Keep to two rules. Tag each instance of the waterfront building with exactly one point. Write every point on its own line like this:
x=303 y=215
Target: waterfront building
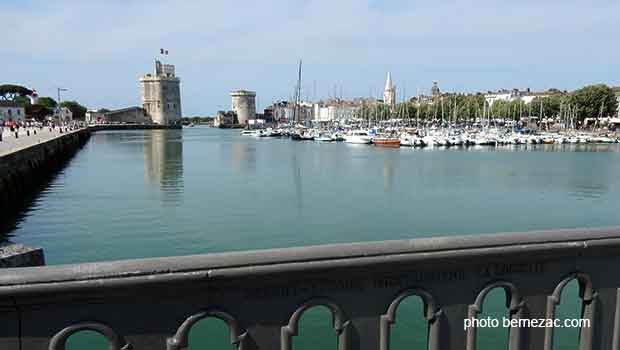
x=10 y=110
x=225 y=119
x=284 y=111
x=304 y=112
x=161 y=95
x=335 y=110
x=129 y=115
x=526 y=95
x=244 y=105
x=63 y=114
x=389 y=93
x=93 y=116
x=428 y=99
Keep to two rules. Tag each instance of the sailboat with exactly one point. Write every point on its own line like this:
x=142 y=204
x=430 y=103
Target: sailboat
x=299 y=134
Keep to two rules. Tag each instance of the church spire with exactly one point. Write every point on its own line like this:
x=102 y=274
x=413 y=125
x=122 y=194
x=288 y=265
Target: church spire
x=389 y=94
x=388 y=82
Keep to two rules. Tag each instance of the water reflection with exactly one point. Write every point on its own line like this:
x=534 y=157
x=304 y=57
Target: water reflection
x=163 y=163
x=296 y=174
x=244 y=157
x=388 y=174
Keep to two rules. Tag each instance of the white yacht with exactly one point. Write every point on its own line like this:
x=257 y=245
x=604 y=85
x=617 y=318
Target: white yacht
x=247 y=132
x=357 y=136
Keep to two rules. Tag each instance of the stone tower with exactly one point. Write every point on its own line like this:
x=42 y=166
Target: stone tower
x=161 y=95
x=389 y=93
x=244 y=104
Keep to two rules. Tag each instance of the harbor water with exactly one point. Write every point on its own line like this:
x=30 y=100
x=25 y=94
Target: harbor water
x=152 y=193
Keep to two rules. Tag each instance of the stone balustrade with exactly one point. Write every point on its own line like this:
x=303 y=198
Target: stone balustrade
x=261 y=295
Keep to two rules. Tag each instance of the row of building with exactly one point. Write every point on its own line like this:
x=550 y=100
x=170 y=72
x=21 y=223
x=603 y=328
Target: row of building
x=243 y=105
x=15 y=111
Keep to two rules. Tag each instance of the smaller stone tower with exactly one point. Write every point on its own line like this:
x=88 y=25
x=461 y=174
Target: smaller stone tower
x=244 y=104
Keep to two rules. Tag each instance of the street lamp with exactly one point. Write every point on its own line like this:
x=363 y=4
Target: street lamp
x=58 y=110
x=59 y=90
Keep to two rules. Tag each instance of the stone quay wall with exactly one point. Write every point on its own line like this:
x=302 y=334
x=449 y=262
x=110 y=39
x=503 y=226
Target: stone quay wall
x=22 y=170
x=21 y=174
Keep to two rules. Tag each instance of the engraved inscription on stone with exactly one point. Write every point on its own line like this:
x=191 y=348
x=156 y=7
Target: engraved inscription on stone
x=417 y=277
x=306 y=287
x=502 y=269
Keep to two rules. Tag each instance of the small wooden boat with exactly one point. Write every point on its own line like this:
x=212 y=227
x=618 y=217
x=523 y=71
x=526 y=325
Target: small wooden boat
x=386 y=141
x=548 y=141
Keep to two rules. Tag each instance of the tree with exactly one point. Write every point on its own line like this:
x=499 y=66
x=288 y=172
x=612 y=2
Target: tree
x=10 y=91
x=551 y=105
x=39 y=112
x=48 y=102
x=500 y=109
x=594 y=101
x=79 y=111
x=22 y=100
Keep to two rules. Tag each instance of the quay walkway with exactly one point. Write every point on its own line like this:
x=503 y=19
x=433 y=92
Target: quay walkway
x=261 y=296
x=27 y=137
x=11 y=144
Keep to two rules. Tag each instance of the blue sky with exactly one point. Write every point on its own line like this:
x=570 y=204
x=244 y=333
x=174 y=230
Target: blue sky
x=98 y=49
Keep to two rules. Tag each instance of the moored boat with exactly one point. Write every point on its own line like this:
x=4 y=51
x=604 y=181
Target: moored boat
x=386 y=141
x=357 y=136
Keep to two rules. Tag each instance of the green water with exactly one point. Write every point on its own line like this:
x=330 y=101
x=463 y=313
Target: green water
x=171 y=192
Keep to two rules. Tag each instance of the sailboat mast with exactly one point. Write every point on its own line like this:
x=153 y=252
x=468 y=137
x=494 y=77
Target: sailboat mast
x=298 y=99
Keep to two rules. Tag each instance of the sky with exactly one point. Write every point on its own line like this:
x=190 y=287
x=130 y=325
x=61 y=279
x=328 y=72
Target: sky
x=98 y=49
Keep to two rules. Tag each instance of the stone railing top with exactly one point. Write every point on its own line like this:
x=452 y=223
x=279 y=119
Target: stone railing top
x=270 y=261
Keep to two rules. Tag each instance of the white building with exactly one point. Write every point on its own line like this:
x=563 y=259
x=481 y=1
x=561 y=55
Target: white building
x=63 y=114
x=491 y=98
x=10 y=110
x=94 y=116
x=328 y=113
x=511 y=95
